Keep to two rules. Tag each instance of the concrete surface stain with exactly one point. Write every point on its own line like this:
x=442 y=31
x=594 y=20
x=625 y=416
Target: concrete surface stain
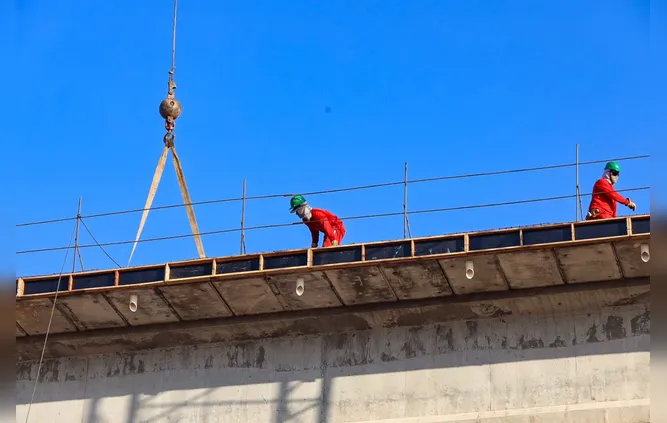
x=503 y=343
x=50 y=371
x=166 y=338
x=346 y=349
x=337 y=349
x=336 y=340
x=130 y=367
x=633 y=299
x=558 y=342
x=641 y=324
x=625 y=301
x=613 y=328
x=239 y=356
x=444 y=339
x=387 y=358
x=261 y=357
x=500 y=312
x=23 y=370
x=111 y=372
x=592 y=334
x=285 y=368
x=208 y=361
x=530 y=344
x=472 y=328
x=413 y=346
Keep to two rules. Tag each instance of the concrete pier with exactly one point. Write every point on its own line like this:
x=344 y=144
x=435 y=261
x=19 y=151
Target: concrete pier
x=590 y=367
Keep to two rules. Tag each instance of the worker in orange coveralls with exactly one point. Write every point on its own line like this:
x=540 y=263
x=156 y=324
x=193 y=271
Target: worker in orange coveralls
x=605 y=197
x=318 y=220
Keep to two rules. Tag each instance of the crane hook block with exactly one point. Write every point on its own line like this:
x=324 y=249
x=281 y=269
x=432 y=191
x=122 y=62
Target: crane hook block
x=170 y=108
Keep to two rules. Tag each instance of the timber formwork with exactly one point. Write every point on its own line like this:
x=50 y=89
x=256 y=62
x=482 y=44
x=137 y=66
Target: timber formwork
x=349 y=287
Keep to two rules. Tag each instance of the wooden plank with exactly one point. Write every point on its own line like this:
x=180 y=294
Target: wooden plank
x=530 y=269
x=132 y=276
x=361 y=285
x=497 y=240
x=285 y=259
x=92 y=311
x=33 y=316
x=48 y=286
x=588 y=263
x=197 y=261
x=195 y=301
x=640 y=224
x=190 y=270
x=601 y=228
x=318 y=292
x=248 y=296
x=151 y=308
x=419 y=280
x=19 y=331
x=629 y=256
x=488 y=277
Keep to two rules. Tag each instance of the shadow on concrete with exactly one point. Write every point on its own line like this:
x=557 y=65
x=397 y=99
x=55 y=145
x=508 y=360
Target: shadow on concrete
x=308 y=359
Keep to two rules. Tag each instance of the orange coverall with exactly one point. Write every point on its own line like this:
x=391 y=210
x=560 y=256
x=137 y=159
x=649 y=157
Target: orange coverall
x=605 y=198
x=327 y=222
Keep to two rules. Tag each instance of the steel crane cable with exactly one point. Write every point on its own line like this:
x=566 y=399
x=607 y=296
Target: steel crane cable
x=368 y=216
x=337 y=190
x=48 y=327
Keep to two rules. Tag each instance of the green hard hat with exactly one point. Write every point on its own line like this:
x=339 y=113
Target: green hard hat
x=612 y=166
x=296 y=201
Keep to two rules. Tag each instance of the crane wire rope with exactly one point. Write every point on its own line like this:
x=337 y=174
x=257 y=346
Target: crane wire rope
x=170 y=110
x=98 y=244
x=48 y=328
x=336 y=190
x=173 y=41
x=369 y=216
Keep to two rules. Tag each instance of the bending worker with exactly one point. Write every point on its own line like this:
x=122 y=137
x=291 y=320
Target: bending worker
x=318 y=220
x=605 y=197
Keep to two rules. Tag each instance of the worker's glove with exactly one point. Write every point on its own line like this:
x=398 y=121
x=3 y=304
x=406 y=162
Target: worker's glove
x=632 y=205
x=334 y=243
x=313 y=245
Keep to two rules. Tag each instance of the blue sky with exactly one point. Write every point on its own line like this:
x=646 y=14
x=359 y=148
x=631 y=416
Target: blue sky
x=450 y=87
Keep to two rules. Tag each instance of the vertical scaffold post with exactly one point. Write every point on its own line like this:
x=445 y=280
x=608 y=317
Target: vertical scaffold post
x=576 y=183
x=406 y=222
x=578 y=208
x=77 y=253
x=243 y=250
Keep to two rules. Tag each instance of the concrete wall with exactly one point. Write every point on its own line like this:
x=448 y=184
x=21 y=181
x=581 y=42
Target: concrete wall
x=591 y=368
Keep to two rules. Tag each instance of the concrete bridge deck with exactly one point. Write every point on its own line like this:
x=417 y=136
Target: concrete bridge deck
x=553 y=327
x=528 y=270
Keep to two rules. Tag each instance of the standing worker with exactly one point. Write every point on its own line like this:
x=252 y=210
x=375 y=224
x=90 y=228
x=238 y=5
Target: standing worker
x=318 y=220
x=605 y=197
